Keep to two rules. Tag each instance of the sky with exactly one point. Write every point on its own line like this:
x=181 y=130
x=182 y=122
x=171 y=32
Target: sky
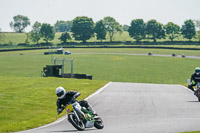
x=124 y=11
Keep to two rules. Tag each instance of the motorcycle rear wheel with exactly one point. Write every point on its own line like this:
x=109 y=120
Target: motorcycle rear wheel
x=99 y=123
x=77 y=124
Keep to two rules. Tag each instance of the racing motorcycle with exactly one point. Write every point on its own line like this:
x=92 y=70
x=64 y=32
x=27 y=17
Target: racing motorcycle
x=196 y=89
x=81 y=118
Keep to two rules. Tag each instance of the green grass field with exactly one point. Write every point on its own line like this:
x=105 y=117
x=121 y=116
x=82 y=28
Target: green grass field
x=22 y=89
x=106 y=66
x=31 y=102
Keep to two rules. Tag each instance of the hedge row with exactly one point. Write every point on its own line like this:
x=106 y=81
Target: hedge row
x=70 y=44
x=133 y=43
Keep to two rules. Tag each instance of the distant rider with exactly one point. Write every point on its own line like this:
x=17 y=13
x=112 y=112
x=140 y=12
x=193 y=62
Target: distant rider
x=65 y=98
x=195 y=78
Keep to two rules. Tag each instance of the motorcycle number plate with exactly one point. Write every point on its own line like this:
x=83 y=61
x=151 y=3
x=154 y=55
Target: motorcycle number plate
x=69 y=108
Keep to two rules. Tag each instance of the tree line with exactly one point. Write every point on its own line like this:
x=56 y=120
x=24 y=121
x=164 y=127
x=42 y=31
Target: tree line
x=82 y=28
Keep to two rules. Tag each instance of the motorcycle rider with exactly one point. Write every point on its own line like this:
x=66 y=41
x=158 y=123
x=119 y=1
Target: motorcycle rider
x=65 y=98
x=195 y=78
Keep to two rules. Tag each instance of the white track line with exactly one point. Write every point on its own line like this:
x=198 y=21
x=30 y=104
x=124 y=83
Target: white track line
x=98 y=91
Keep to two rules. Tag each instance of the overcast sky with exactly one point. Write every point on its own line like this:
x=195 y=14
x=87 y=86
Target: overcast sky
x=124 y=11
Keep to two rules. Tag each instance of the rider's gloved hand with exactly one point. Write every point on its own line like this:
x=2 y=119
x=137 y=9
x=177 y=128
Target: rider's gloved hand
x=73 y=100
x=59 y=111
x=193 y=82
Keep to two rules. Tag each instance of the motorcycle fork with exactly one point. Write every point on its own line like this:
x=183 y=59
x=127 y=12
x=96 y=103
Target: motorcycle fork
x=78 y=113
x=76 y=116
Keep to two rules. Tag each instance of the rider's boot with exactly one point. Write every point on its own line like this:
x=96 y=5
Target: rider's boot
x=191 y=87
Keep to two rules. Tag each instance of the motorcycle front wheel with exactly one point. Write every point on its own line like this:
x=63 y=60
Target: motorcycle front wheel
x=74 y=121
x=98 y=123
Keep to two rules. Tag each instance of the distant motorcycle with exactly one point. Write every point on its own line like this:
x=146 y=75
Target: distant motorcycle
x=80 y=118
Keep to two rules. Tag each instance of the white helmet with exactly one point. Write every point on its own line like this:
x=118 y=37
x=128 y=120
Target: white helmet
x=60 y=92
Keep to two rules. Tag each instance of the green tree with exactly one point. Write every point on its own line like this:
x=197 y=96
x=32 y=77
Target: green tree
x=100 y=30
x=137 y=29
x=35 y=34
x=64 y=37
x=82 y=28
x=172 y=30
x=112 y=26
x=125 y=27
x=19 y=23
x=197 y=24
x=47 y=32
x=188 y=29
x=27 y=38
x=154 y=30
x=63 y=26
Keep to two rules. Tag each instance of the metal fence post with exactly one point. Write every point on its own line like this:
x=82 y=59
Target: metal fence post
x=72 y=60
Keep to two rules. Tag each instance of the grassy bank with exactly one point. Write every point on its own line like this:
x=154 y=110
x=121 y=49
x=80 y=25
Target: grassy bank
x=110 y=67
x=31 y=102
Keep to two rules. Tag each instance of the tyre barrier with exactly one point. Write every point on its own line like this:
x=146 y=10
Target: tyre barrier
x=78 y=76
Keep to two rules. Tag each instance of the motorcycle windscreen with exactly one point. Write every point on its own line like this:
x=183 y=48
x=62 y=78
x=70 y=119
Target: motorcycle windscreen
x=69 y=108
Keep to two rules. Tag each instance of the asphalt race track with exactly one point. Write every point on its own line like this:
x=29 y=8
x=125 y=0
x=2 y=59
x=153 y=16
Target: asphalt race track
x=139 y=108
